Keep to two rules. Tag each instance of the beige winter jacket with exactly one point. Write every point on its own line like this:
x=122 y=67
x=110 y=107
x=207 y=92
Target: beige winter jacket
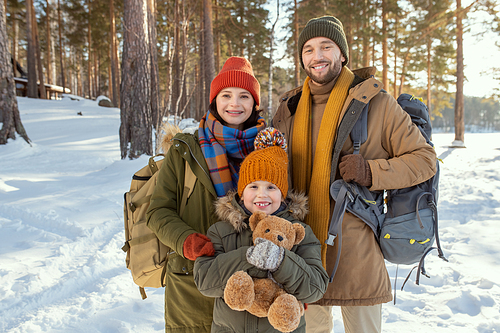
x=398 y=156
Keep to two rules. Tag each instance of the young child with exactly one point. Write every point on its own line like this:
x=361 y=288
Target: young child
x=262 y=186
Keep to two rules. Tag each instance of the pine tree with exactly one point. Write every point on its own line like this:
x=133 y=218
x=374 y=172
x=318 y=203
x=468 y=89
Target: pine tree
x=9 y=112
x=135 y=104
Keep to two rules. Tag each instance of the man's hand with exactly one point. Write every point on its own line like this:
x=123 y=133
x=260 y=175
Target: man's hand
x=353 y=167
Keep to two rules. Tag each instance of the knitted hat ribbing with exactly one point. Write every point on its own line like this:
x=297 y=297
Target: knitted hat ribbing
x=325 y=26
x=236 y=72
x=268 y=162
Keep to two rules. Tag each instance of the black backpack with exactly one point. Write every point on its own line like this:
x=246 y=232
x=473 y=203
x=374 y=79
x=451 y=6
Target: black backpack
x=408 y=226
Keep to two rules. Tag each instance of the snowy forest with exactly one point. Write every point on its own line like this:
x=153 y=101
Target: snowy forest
x=155 y=58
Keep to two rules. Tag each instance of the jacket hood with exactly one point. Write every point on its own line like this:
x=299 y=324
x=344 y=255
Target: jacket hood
x=228 y=209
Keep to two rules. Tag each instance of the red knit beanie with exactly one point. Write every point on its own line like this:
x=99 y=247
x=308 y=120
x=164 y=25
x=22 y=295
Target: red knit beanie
x=236 y=72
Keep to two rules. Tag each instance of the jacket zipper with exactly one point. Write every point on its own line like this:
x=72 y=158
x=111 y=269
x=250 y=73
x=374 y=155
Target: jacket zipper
x=191 y=152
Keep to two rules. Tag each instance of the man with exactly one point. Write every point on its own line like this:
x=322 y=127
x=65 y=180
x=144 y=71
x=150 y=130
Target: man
x=395 y=155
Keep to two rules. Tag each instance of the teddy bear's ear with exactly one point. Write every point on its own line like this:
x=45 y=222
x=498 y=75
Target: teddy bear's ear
x=300 y=233
x=255 y=219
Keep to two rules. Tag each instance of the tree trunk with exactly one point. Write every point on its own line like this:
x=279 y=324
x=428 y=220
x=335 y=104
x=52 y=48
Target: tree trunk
x=395 y=72
x=155 y=79
x=61 y=46
x=53 y=66
x=110 y=86
x=385 y=78
x=15 y=26
x=366 y=39
x=135 y=104
x=204 y=93
x=32 y=91
x=209 y=44
x=217 y=38
x=79 y=74
x=176 y=54
x=459 y=98
x=49 y=46
x=271 y=60
x=114 y=58
x=429 y=73
x=9 y=112
x=89 y=52
x=296 y=40
x=41 y=84
x=96 y=89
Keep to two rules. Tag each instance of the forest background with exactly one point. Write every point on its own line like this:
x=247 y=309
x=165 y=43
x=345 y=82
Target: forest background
x=155 y=58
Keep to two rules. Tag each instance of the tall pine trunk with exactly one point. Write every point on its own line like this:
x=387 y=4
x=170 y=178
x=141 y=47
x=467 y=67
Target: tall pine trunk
x=296 y=40
x=9 y=111
x=32 y=85
x=459 y=97
x=429 y=75
x=89 y=52
x=271 y=61
x=135 y=105
x=15 y=26
x=41 y=84
x=61 y=46
x=114 y=57
x=49 y=45
x=385 y=78
x=209 y=45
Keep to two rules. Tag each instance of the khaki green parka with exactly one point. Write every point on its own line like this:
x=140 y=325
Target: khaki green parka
x=301 y=272
x=186 y=310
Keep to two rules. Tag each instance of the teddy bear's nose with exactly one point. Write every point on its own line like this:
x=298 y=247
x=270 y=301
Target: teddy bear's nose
x=280 y=238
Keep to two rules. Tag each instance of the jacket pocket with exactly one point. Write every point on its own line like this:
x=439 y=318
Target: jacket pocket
x=178 y=265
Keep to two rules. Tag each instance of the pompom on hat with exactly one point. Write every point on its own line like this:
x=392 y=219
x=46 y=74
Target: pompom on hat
x=236 y=72
x=328 y=27
x=268 y=162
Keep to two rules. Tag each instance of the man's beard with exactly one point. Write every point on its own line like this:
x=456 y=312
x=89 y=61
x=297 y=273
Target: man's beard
x=332 y=74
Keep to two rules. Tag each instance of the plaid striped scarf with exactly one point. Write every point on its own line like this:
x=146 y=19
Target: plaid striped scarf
x=218 y=142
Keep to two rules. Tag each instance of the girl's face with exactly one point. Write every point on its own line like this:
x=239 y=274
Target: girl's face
x=235 y=106
x=261 y=196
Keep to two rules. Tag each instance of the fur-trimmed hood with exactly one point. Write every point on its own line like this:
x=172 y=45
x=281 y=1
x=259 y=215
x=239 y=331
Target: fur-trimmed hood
x=228 y=209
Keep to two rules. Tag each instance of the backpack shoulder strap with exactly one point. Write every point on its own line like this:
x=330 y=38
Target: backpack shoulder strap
x=346 y=125
x=359 y=132
x=189 y=181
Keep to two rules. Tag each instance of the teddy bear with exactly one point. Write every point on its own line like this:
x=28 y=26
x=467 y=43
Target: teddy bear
x=263 y=296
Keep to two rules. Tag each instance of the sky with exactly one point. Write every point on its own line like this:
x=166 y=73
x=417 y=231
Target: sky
x=61 y=232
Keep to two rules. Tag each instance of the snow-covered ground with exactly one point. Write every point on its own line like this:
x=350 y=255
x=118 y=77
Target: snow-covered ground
x=61 y=230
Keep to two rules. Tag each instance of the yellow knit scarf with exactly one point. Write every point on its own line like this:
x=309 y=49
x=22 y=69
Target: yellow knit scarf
x=316 y=183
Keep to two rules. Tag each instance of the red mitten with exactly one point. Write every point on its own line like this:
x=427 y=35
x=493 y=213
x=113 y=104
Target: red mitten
x=197 y=245
x=353 y=167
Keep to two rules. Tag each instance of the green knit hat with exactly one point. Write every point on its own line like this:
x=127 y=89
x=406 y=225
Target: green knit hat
x=325 y=26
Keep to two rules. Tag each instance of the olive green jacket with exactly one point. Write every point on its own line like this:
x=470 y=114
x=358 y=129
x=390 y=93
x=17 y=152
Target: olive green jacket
x=171 y=229
x=301 y=272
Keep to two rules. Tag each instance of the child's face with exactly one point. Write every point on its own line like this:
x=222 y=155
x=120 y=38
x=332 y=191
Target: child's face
x=261 y=196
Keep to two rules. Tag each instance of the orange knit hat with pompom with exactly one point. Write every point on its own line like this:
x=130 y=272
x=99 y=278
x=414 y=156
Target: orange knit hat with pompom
x=236 y=72
x=268 y=162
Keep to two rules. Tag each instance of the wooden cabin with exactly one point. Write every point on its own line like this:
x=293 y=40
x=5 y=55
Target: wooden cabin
x=53 y=91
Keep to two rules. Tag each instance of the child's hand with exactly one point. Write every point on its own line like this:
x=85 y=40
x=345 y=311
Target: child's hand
x=265 y=255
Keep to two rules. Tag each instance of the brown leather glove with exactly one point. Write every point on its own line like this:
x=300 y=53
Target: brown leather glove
x=353 y=167
x=197 y=245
